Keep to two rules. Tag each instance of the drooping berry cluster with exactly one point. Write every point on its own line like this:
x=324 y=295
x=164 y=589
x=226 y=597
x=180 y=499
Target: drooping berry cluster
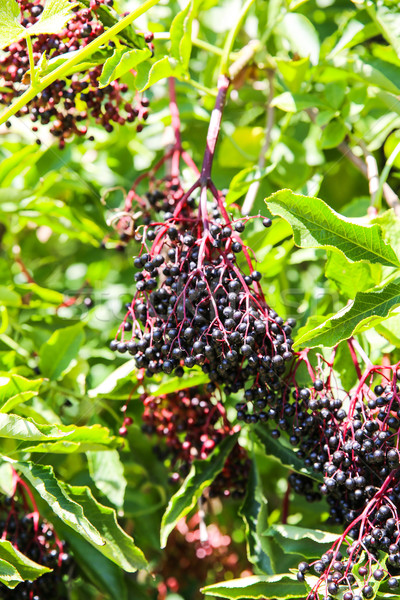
x=67 y=104
x=195 y=306
x=194 y=556
x=190 y=424
x=353 y=440
x=21 y=525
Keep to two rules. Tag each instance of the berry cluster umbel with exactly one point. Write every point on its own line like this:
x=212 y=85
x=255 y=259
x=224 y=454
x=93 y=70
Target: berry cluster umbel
x=195 y=306
x=68 y=104
x=352 y=439
x=190 y=424
x=35 y=538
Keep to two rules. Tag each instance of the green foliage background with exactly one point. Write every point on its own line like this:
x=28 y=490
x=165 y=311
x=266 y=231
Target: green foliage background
x=335 y=70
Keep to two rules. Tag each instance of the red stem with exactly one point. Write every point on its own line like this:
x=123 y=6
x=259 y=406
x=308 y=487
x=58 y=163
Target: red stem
x=354 y=358
x=213 y=130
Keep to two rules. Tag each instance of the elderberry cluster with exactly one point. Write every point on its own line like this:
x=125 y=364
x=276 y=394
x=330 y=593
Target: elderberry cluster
x=353 y=441
x=155 y=205
x=194 y=306
x=67 y=104
x=190 y=424
x=37 y=540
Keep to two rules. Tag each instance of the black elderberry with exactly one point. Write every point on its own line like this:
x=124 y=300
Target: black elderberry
x=368 y=591
x=393 y=583
x=239 y=226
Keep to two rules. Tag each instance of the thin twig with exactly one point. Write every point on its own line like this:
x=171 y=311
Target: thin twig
x=254 y=187
x=372 y=171
x=244 y=57
x=390 y=195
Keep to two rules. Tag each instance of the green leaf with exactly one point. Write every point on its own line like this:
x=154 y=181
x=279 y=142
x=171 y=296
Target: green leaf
x=242 y=148
x=301 y=34
x=175 y=384
x=107 y=472
x=11 y=29
x=254 y=511
x=148 y=75
x=119 y=547
x=9 y=575
x=310 y=543
x=60 y=350
x=122 y=61
x=354 y=33
x=390 y=328
x=52 y=491
x=351 y=278
x=27 y=568
x=6 y=478
x=376 y=72
x=286 y=456
x=289 y=102
x=181 y=33
x=9 y=297
x=50 y=296
x=202 y=474
x=242 y=181
x=12 y=166
x=333 y=134
x=77 y=507
x=15 y=389
x=388 y=21
x=120 y=375
x=335 y=93
x=55 y=15
x=294 y=72
x=368 y=308
x=69 y=437
x=52 y=20
x=280 y=587
x=316 y=225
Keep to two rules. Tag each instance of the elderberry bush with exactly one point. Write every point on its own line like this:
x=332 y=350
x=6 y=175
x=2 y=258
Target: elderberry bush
x=68 y=105
x=189 y=425
x=37 y=540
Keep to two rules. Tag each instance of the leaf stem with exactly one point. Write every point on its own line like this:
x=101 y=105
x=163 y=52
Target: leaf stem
x=82 y=54
x=384 y=176
x=31 y=61
x=232 y=35
x=200 y=87
x=202 y=44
